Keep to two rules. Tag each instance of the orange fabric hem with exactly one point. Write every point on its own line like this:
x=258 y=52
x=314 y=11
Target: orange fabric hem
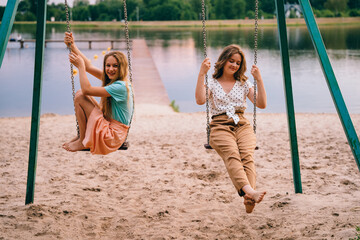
x=103 y=136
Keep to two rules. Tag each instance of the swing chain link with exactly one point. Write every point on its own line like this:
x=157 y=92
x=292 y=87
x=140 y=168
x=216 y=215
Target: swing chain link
x=71 y=65
x=255 y=59
x=129 y=62
x=127 y=40
x=206 y=76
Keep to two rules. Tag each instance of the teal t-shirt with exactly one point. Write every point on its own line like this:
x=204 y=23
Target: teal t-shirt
x=121 y=107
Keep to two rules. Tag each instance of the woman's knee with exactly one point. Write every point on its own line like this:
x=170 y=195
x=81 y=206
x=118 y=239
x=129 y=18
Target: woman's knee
x=79 y=96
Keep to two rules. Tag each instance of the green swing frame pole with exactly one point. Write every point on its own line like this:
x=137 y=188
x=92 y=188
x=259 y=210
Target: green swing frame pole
x=35 y=119
x=331 y=80
x=284 y=49
x=6 y=25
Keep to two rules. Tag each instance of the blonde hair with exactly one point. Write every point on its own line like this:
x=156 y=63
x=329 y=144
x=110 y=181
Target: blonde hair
x=123 y=73
x=225 y=56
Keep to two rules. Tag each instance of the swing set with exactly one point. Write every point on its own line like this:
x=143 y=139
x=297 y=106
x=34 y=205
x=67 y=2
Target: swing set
x=8 y=20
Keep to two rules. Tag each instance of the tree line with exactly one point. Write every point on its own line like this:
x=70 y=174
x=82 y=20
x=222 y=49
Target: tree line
x=157 y=10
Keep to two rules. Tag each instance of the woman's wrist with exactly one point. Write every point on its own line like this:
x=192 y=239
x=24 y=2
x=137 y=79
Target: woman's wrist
x=202 y=74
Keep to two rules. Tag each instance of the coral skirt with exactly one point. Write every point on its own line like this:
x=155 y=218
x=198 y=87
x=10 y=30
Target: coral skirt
x=103 y=136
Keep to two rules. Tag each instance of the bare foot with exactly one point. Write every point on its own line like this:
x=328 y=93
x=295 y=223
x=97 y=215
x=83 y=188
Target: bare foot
x=249 y=205
x=72 y=140
x=257 y=196
x=74 y=146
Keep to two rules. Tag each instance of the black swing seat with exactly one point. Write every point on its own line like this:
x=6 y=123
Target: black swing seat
x=125 y=146
x=207 y=146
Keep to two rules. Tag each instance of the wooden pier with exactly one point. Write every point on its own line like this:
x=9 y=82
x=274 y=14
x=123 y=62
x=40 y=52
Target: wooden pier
x=147 y=83
x=148 y=86
x=111 y=41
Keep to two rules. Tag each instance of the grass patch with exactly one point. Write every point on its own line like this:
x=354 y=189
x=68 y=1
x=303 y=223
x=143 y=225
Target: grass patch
x=357 y=237
x=174 y=106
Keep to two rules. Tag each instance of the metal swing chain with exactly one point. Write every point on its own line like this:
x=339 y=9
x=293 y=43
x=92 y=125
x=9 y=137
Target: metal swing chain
x=206 y=76
x=129 y=60
x=71 y=66
x=127 y=40
x=255 y=58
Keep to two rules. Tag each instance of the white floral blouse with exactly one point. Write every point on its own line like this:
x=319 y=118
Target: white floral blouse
x=221 y=102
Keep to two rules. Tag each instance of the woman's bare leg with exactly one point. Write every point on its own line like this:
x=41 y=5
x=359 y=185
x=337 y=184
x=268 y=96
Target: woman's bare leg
x=97 y=105
x=83 y=108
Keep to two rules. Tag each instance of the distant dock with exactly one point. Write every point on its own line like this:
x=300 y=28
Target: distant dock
x=111 y=41
x=148 y=86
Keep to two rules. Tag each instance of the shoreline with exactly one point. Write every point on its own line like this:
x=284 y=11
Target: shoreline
x=209 y=23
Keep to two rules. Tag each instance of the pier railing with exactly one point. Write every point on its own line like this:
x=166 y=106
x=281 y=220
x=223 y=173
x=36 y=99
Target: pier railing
x=111 y=41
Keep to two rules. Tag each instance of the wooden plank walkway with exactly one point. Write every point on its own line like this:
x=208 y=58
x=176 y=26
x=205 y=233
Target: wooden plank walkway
x=148 y=86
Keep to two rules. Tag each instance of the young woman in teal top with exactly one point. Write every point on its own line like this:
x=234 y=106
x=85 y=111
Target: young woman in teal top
x=103 y=127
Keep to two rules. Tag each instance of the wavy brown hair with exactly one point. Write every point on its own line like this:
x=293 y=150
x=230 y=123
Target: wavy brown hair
x=123 y=73
x=224 y=57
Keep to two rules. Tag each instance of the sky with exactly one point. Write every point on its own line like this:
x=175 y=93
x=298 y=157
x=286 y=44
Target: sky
x=3 y=2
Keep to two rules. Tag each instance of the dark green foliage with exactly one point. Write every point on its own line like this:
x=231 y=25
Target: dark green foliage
x=354 y=13
x=229 y=9
x=2 y=10
x=354 y=4
x=317 y=4
x=336 y=5
x=26 y=16
x=56 y=11
x=109 y=10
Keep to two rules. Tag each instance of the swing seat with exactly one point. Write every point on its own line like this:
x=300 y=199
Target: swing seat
x=207 y=146
x=125 y=146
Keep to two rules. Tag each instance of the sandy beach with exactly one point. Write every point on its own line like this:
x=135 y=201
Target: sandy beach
x=167 y=186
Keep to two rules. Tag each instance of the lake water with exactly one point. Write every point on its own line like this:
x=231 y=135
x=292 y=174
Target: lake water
x=178 y=54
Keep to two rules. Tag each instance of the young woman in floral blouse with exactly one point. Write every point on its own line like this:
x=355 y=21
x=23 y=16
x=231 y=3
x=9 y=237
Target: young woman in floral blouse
x=231 y=134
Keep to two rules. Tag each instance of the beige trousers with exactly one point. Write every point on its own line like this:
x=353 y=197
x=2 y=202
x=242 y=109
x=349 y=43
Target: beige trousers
x=235 y=144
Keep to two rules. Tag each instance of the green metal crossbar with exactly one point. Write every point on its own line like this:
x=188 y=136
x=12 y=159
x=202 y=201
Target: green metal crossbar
x=288 y=94
x=331 y=80
x=6 y=26
x=35 y=119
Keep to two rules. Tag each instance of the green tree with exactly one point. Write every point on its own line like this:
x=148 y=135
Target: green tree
x=78 y=3
x=33 y=6
x=24 y=6
x=166 y=11
x=56 y=11
x=354 y=4
x=27 y=16
x=236 y=9
x=250 y=5
x=80 y=13
x=267 y=6
x=229 y=9
x=317 y=4
x=336 y=5
x=219 y=10
x=187 y=13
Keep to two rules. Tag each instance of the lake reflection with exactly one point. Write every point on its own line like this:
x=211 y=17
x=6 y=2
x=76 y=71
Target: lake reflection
x=178 y=54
